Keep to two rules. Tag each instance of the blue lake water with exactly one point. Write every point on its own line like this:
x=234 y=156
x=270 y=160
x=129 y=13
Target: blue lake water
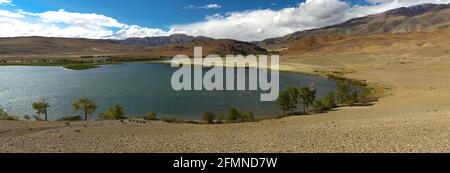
x=138 y=87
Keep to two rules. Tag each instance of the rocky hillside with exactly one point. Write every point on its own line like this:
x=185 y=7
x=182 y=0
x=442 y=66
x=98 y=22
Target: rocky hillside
x=161 y=41
x=421 y=18
x=45 y=47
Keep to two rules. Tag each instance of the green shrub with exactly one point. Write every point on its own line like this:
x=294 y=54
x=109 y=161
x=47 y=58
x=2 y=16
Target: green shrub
x=151 y=116
x=209 y=117
x=26 y=117
x=353 y=98
x=307 y=96
x=366 y=97
x=113 y=113
x=235 y=116
x=80 y=66
x=329 y=101
x=319 y=106
x=284 y=101
x=246 y=117
x=343 y=92
x=221 y=117
x=4 y=116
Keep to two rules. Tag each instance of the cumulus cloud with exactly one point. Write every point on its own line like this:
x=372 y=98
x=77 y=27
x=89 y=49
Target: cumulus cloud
x=8 y=14
x=69 y=24
x=250 y=25
x=260 y=24
x=266 y=23
x=79 y=19
x=5 y=2
x=137 y=31
x=208 y=6
x=56 y=24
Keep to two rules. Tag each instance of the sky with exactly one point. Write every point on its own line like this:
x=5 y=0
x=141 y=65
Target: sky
x=246 y=20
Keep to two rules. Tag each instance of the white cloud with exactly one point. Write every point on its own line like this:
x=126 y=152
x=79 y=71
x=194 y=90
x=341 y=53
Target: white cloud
x=267 y=23
x=247 y=25
x=56 y=24
x=4 y=13
x=5 y=1
x=208 y=6
x=261 y=24
x=77 y=19
x=15 y=27
x=69 y=24
x=137 y=31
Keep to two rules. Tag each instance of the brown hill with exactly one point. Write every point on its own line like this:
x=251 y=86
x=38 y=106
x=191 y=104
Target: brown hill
x=161 y=41
x=44 y=47
x=427 y=43
x=56 y=46
x=421 y=18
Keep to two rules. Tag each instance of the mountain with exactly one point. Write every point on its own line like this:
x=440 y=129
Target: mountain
x=47 y=47
x=160 y=41
x=220 y=47
x=28 y=46
x=420 y=18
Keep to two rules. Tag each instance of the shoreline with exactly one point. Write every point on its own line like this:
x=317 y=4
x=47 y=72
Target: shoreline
x=282 y=68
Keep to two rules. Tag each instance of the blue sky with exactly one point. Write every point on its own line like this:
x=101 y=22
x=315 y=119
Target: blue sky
x=247 y=20
x=151 y=13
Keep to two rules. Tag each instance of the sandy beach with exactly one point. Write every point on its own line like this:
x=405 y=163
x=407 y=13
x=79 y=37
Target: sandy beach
x=411 y=116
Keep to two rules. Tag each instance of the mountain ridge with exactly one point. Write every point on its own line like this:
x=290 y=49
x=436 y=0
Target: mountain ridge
x=419 y=18
x=163 y=40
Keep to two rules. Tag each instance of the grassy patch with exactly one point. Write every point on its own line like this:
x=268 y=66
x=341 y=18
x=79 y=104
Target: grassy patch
x=150 y=116
x=80 y=66
x=368 y=92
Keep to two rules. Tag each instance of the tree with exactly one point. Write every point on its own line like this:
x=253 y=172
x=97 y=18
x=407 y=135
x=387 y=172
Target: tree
x=353 y=98
x=307 y=97
x=293 y=96
x=85 y=104
x=151 y=116
x=319 y=106
x=233 y=115
x=342 y=92
x=113 y=113
x=209 y=117
x=284 y=101
x=41 y=108
x=329 y=101
x=118 y=111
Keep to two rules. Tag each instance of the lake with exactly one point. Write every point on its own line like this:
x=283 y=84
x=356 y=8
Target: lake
x=138 y=87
